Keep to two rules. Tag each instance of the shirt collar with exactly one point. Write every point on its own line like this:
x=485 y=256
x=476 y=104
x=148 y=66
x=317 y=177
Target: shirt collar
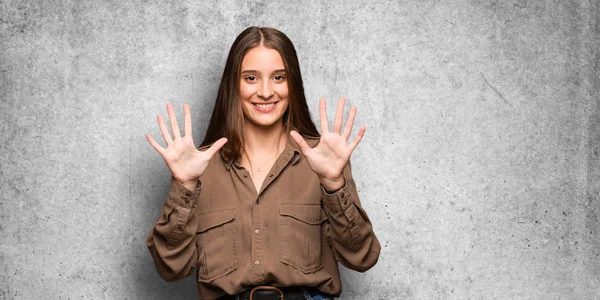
x=291 y=152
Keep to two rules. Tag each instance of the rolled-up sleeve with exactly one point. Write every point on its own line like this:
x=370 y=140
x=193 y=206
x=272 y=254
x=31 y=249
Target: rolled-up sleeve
x=172 y=241
x=351 y=232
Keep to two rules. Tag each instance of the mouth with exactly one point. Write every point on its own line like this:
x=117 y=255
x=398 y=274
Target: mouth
x=265 y=107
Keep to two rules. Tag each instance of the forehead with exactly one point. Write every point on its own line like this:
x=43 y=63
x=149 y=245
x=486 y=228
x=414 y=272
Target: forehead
x=261 y=58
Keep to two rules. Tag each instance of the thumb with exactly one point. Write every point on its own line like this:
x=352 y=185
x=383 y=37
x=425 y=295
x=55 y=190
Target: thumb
x=300 y=142
x=216 y=146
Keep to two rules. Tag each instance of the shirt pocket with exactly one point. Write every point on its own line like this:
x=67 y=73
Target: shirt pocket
x=216 y=244
x=301 y=233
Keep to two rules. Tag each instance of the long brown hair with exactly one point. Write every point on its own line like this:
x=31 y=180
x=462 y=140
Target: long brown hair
x=227 y=119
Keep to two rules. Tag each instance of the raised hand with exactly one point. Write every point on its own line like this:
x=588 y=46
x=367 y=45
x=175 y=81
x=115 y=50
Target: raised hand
x=184 y=160
x=329 y=158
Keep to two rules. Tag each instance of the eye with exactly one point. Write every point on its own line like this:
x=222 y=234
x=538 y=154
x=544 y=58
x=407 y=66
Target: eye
x=251 y=78
x=279 y=77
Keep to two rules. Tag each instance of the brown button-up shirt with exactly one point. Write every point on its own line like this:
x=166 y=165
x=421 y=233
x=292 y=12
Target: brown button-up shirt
x=290 y=233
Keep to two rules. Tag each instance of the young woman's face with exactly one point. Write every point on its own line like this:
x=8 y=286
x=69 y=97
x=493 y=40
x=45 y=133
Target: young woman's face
x=263 y=87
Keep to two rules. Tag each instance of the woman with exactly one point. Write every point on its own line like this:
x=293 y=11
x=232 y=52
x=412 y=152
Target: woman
x=266 y=207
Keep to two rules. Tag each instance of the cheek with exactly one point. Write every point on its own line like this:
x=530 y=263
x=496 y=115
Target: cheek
x=245 y=91
x=282 y=90
x=285 y=107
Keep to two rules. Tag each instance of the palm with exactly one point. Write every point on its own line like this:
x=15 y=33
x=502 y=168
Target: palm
x=184 y=160
x=332 y=154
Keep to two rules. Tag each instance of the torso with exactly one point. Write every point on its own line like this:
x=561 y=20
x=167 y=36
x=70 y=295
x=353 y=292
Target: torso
x=258 y=177
x=261 y=167
x=277 y=236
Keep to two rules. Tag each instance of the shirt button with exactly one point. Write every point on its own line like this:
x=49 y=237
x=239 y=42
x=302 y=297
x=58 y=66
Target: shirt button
x=271 y=175
x=187 y=201
x=245 y=175
x=256 y=262
x=256 y=231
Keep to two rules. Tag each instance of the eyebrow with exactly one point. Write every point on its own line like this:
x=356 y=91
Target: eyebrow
x=255 y=71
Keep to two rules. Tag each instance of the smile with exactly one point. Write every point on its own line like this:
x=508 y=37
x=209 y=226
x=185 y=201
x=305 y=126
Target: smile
x=264 y=107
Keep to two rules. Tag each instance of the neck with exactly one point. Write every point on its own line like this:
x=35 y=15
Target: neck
x=263 y=140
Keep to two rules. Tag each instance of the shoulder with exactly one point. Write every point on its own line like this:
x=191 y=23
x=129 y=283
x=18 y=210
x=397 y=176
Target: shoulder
x=217 y=164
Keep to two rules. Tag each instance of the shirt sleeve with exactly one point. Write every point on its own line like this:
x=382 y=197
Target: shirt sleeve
x=172 y=241
x=351 y=233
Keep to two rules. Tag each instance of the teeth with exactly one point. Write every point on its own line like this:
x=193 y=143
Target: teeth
x=265 y=105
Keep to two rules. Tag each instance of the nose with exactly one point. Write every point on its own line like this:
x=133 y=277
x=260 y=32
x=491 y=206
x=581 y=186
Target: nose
x=265 y=90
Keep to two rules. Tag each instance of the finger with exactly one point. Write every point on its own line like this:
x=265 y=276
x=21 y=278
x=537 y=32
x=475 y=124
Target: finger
x=187 y=120
x=304 y=147
x=323 y=116
x=173 y=121
x=216 y=146
x=163 y=130
x=358 y=137
x=339 y=115
x=155 y=145
x=349 y=123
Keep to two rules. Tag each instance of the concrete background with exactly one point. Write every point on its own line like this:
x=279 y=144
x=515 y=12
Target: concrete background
x=480 y=167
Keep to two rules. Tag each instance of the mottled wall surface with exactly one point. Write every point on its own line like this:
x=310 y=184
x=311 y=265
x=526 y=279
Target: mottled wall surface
x=480 y=167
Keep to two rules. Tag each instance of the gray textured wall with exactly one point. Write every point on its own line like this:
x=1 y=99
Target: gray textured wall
x=480 y=167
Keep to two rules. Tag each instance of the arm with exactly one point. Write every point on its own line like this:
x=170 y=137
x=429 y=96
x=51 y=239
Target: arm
x=354 y=242
x=172 y=241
